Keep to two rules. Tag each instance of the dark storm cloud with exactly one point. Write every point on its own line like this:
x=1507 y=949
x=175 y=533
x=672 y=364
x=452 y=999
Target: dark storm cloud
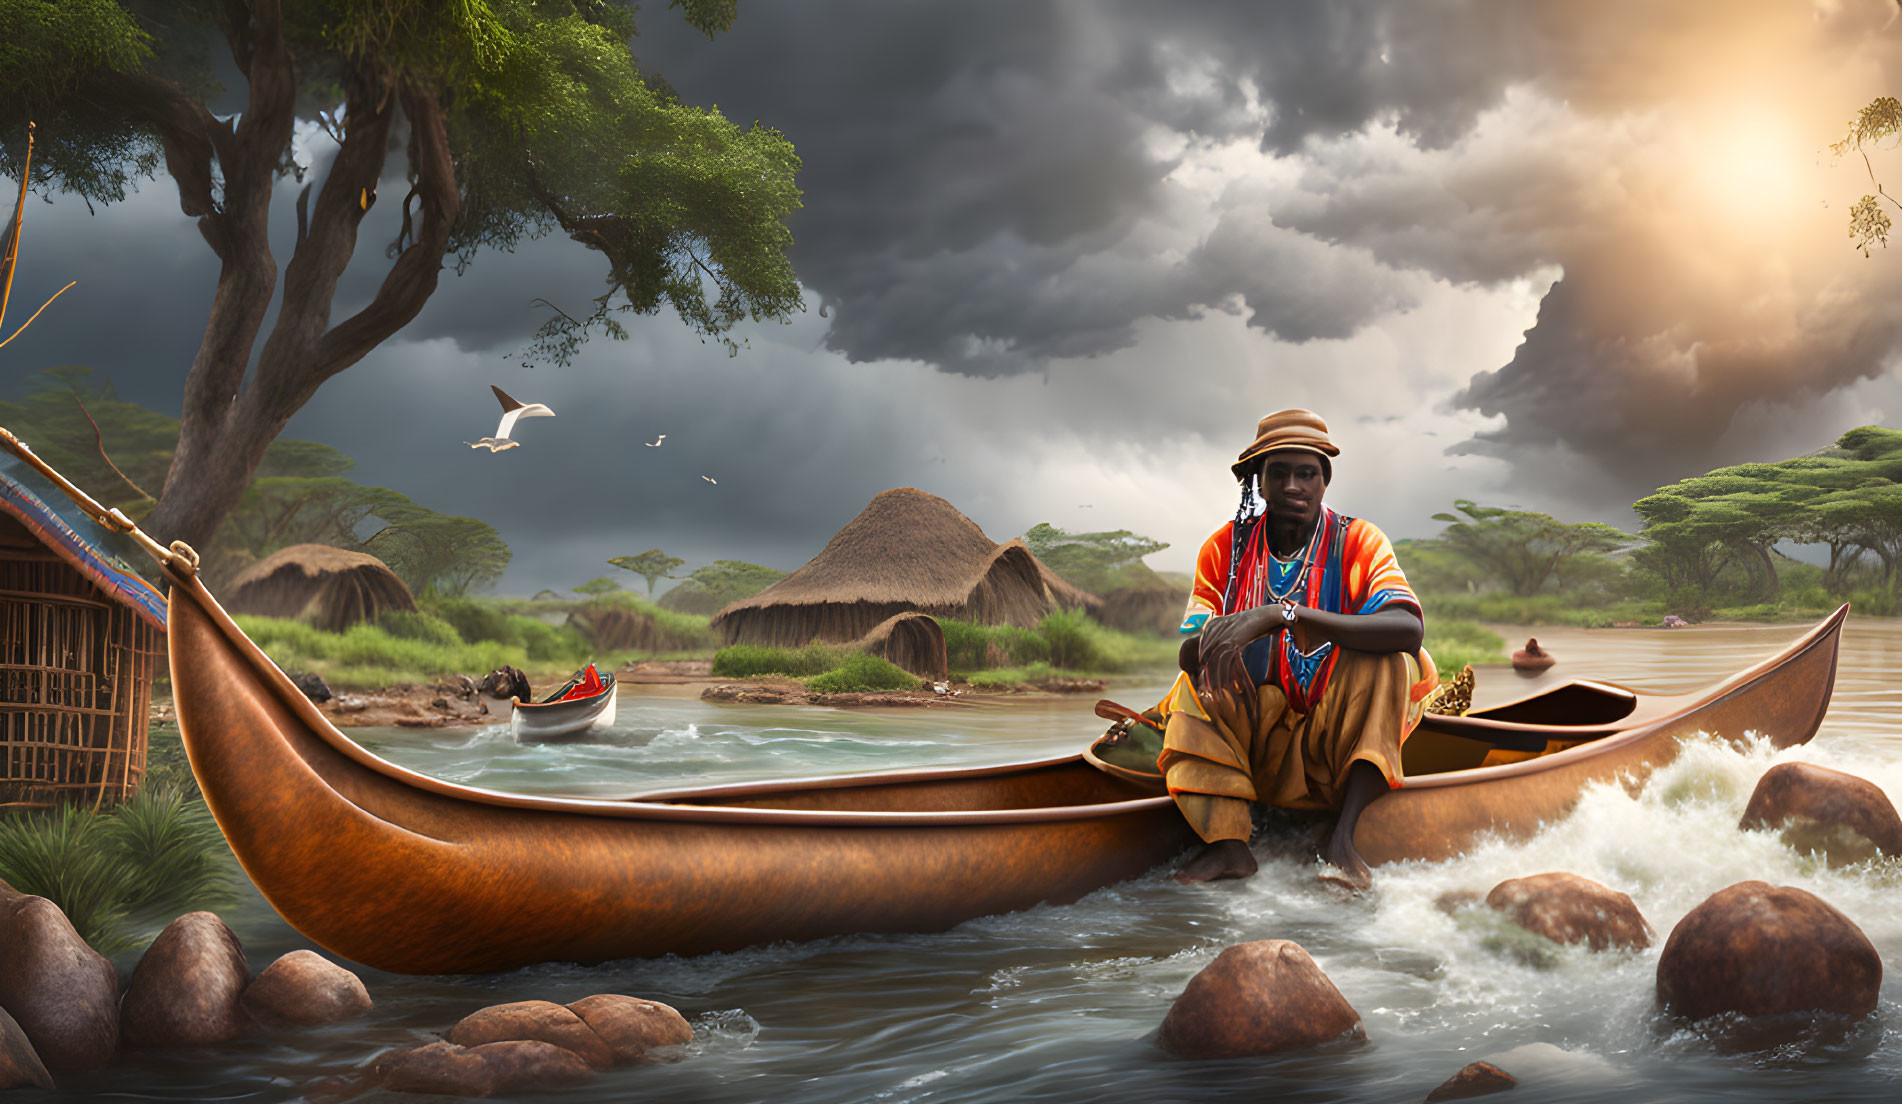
x=976 y=179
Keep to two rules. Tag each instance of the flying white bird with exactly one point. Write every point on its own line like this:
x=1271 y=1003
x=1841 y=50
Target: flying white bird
x=494 y=444
x=655 y=443
x=711 y=480
x=512 y=409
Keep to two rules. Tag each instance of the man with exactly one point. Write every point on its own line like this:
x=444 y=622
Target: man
x=1306 y=671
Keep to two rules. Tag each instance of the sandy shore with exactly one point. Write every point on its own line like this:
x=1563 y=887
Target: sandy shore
x=451 y=705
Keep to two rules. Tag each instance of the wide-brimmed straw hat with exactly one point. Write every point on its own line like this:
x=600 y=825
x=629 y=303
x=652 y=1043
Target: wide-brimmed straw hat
x=1289 y=429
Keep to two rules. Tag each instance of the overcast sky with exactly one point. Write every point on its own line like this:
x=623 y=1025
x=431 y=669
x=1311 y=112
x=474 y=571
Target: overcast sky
x=1547 y=255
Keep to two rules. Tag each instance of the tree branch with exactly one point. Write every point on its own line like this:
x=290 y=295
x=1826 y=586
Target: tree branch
x=411 y=279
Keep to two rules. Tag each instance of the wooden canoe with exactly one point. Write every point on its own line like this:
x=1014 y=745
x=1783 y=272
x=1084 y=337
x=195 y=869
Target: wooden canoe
x=1509 y=770
x=1576 y=734
x=410 y=874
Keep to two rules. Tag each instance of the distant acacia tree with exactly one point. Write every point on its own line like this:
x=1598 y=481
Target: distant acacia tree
x=709 y=588
x=651 y=565
x=596 y=588
x=1522 y=549
x=517 y=117
x=438 y=554
x=1096 y=562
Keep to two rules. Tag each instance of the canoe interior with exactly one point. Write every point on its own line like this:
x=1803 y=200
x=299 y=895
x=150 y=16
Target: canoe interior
x=1064 y=783
x=1581 y=712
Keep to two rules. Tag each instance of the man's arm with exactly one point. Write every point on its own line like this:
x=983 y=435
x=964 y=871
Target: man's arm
x=1394 y=629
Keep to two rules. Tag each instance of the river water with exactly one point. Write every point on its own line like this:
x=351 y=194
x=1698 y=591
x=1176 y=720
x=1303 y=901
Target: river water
x=1061 y=1003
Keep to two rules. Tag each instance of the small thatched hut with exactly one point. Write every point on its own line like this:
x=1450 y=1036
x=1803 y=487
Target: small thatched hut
x=1157 y=607
x=906 y=551
x=80 y=637
x=914 y=641
x=331 y=588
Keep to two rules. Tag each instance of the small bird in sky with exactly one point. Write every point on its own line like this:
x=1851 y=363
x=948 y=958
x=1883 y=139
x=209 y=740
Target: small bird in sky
x=1083 y=506
x=514 y=409
x=655 y=443
x=711 y=480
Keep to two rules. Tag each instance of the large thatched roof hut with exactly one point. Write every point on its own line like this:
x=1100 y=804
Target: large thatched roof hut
x=80 y=637
x=331 y=588
x=907 y=550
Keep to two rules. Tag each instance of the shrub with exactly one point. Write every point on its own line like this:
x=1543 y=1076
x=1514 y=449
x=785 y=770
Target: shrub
x=405 y=625
x=971 y=647
x=748 y=660
x=1073 y=640
x=475 y=621
x=862 y=671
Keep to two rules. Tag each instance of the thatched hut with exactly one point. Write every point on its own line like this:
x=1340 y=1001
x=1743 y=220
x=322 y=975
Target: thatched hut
x=906 y=551
x=914 y=641
x=1155 y=607
x=80 y=638
x=331 y=588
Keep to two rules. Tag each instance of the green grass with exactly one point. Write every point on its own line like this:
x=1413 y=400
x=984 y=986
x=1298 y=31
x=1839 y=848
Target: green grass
x=154 y=857
x=860 y=672
x=1016 y=678
x=1454 y=644
x=750 y=660
x=1070 y=640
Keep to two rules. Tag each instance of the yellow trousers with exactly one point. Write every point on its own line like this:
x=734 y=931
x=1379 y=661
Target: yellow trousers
x=1215 y=766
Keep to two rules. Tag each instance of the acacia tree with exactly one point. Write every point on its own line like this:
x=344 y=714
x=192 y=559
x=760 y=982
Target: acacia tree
x=517 y=118
x=1521 y=548
x=651 y=565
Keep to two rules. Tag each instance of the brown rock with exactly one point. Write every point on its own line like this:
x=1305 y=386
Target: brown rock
x=505 y=682
x=1257 y=998
x=19 y=1063
x=64 y=994
x=1762 y=950
x=1478 y=1079
x=511 y=1066
x=1454 y=900
x=1566 y=908
x=305 y=989
x=534 y=1019
x=187 y=988
x=1846 y=818
x=631 y=1026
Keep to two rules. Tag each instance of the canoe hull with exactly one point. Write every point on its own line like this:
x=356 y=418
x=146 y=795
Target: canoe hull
x=1441 y=815
x=376 y=867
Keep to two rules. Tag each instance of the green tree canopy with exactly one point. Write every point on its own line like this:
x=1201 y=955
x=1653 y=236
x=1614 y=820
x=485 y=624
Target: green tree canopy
x=1522 y=549
x=1097 y=562
x=595 y=588
x=517 y=118
x=651 y=565
x=709 y=588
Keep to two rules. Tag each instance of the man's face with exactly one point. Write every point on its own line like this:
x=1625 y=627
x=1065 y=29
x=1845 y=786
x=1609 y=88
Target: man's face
x=1291 y=482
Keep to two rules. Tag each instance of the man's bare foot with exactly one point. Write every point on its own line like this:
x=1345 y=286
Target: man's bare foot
x=1222 y=859
x=1354 y=874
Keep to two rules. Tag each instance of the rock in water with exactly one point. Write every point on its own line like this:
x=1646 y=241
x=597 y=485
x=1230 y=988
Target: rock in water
x=514 y=1066
x=534 y=1019
x=505 y=682
x=1848 y=819
x=1757 y=950
x=305 y=989
x=64 y=994
x=631 y=1026
x=1478 y=1079
x=1566 y=908
x=19 y=1063
x=188 y=988
x=1257 y=998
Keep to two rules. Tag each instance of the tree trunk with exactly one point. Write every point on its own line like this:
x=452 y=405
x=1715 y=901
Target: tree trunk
x=225 y=430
